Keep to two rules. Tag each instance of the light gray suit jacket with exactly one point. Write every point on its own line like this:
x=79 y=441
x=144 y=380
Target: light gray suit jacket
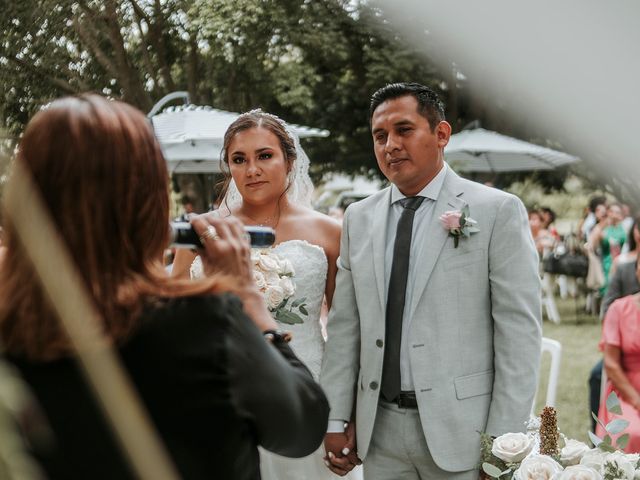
x=475 y=329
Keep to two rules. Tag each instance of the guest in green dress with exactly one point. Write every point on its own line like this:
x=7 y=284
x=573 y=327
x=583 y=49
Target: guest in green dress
x=610 y=237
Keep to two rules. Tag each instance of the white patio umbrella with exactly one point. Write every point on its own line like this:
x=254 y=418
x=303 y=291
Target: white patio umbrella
x=480 y=150
x=191 y=137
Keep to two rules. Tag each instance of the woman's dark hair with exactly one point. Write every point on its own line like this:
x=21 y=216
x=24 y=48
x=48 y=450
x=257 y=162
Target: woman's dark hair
x=100 y=172
x=429 y=104
x=631 y=237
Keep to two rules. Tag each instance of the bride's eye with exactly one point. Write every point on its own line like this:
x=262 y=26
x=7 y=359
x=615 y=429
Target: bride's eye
x=265 y=156
x=237 y=160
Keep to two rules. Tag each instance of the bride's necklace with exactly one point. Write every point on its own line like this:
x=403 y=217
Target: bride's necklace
x=270 y=221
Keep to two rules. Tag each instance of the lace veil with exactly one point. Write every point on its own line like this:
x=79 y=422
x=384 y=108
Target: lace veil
x=300 y=187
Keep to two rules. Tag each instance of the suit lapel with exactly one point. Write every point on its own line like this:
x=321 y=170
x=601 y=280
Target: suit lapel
x=379 y=237
x=436 y=235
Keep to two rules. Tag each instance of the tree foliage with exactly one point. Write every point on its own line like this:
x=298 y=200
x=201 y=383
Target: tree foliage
x=312 y=62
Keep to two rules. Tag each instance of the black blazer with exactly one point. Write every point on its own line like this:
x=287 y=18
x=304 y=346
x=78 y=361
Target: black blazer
x=214 y=387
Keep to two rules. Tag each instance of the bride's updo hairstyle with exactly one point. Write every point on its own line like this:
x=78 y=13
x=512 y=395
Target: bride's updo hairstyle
x=100 y=172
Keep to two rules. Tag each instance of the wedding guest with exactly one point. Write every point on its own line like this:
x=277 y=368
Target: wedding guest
x=623 y=282
x=548 y=217
x=627 y=217
x=596 y=211
x=188 y=210
x=432 y=336
x=541 y=236
x=633 y=242
x=609 y=235
x=214 y=386
x=621 y=346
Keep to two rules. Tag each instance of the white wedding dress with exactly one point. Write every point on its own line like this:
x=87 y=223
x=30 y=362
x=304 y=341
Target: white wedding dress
x=310 y=268
x=310 y=277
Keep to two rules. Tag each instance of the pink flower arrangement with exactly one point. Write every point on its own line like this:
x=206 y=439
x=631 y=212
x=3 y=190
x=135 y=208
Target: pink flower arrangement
x=459 y=224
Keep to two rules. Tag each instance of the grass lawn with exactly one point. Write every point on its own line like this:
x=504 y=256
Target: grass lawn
x=579 y=338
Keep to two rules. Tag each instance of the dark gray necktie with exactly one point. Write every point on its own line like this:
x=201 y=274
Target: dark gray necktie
x=395 y=298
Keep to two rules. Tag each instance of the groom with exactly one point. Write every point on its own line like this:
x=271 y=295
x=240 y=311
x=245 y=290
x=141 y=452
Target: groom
x=431 y=338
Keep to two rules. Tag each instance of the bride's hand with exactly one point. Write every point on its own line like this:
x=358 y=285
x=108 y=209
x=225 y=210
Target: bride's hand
x=225 y=249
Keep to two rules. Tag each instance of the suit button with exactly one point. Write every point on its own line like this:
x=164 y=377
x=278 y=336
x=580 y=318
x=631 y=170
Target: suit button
x=373 y=385
x=379 y=343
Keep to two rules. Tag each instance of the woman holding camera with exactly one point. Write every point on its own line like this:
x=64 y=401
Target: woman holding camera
x=214 y=387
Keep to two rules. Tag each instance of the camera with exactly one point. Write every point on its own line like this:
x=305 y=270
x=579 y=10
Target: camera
x=184 y=236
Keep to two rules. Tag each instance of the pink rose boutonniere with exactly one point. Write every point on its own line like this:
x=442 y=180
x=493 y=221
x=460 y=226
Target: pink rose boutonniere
x=459 y=224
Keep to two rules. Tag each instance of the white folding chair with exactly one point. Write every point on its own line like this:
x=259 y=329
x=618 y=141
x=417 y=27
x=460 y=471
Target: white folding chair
x=555 y=350
x=548 y=299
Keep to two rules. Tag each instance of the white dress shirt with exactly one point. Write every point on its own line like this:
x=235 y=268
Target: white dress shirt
x=421 y=220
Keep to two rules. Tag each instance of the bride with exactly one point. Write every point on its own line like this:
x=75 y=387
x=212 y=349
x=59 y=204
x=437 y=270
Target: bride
x=268 y=185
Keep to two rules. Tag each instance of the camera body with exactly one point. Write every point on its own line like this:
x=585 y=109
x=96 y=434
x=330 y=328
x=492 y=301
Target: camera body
x=184 y=236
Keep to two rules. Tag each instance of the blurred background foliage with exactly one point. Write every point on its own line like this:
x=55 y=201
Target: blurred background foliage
x=313 y=62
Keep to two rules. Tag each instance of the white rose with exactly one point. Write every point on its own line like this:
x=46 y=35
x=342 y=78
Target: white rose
x=573 y=452
x=512 y=447
x=260 y=280
x=623 y=462
x=255 y=256
x=287 y=268
x=578 y=472
x=268 y=263
x=272 y=278
x=287 y=286
x=538 y=467
x=274 y=296
x=594 y=458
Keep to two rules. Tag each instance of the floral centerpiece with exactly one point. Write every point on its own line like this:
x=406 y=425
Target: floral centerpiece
x=543 y=453
x=273 y=275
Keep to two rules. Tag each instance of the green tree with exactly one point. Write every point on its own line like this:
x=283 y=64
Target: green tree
x=312 y=62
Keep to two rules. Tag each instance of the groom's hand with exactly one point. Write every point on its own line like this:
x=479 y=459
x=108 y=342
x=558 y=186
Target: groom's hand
x=341 y=451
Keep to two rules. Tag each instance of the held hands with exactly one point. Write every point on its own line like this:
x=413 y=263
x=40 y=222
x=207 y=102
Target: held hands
x=341 y=450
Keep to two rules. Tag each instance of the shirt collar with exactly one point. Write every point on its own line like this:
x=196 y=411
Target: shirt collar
x=431 y=190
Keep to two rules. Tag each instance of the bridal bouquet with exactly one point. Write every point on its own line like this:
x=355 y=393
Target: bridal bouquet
x=543 y=453
x=273 y=275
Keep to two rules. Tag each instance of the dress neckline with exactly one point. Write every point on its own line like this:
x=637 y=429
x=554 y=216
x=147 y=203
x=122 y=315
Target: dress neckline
x=304 y=242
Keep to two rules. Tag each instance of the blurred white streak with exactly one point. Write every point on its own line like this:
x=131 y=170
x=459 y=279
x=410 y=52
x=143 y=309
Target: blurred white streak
x=573 y=66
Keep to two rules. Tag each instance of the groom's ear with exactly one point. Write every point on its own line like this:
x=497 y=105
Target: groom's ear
x=443 y=133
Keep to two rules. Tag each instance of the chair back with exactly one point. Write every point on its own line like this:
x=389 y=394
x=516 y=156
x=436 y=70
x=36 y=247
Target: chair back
x=555 y=350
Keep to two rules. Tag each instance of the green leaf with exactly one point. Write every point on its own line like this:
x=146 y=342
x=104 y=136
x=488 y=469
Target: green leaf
x=491 y=470
x=282 y=304
x=597 y=441
x=300 y=301
x=616 y=426
x=465 y=210
x=623 y=441
x=473 y=229
x=613 y=404
x=606 y=440
x=284 y=316
x=606 y=448
x=303 y=310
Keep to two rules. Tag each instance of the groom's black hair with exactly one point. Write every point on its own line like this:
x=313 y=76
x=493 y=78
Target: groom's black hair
x=429 y=105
